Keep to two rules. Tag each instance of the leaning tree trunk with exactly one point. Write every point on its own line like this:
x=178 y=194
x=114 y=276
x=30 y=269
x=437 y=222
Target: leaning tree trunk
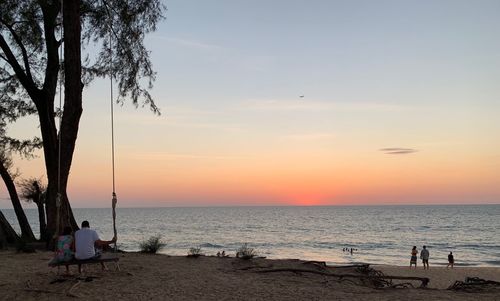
x=42 y=220
x=26 y=232
x=7 y=233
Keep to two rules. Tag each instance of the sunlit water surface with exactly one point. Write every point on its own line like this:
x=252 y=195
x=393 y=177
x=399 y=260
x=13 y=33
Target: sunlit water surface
x=381 y=235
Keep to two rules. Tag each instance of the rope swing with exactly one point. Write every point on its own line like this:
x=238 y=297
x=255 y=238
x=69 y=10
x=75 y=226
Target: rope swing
x=114 y=199
x=58 y=196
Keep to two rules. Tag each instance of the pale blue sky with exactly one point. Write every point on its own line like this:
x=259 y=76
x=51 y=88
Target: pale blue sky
x=409 y=52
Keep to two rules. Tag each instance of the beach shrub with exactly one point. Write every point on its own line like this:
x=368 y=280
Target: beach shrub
x=194 y=252
x=245 y=252
x=152 y=245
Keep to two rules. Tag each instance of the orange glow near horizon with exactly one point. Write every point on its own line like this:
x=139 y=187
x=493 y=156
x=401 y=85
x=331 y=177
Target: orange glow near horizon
x=250 y=183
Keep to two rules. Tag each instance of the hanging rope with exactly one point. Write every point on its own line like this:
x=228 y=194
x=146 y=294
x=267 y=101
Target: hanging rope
x=58 y=196
x=114 y=198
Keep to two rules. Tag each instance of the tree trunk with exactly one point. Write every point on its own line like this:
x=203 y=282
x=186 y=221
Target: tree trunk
x=42 y=221
x=7 y=233
x=58 y=176
x=26 y=232
x=56 y=181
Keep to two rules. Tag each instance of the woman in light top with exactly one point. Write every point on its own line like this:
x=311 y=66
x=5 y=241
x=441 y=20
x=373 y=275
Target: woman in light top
x=413 y=259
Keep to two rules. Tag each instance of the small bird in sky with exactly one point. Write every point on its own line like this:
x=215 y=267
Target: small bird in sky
x=301 y=96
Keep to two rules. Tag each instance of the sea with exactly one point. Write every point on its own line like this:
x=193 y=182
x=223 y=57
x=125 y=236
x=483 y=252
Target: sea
x=377 y=234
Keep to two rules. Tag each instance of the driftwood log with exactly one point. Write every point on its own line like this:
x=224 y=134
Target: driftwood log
x=358 y=266
x=424 y=280
x=474 y=284
x=316 y=263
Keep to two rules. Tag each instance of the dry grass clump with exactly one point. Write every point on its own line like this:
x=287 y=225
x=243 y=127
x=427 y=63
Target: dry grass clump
x=194 y=252
x=245 y=252
x=152 y=245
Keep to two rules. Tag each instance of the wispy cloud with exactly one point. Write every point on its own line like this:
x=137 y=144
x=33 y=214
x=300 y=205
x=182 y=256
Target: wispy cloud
x=397 y=150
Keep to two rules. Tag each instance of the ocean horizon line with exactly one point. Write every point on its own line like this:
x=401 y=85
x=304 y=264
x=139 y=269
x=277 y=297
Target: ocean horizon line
x=284 y=206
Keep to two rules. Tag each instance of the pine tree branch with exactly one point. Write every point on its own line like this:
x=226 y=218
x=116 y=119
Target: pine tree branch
x=28 y=84
x=50 y=12
x=21 y=46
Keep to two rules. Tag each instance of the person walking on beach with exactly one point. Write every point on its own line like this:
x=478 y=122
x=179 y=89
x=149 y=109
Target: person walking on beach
x=413 y=259
x=451 y=260
x=424 y=255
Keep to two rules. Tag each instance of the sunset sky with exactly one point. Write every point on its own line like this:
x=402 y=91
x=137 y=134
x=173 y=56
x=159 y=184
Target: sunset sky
x=401 y=106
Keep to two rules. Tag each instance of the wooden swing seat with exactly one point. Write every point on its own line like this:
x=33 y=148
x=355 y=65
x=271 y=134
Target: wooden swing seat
x=101 y=259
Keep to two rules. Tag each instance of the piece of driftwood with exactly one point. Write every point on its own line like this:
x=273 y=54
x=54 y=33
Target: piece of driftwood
x=313 y=262
x=364 y=266
x=424 y=281
x=73 y=287
x=402 y=285
x=474 y=284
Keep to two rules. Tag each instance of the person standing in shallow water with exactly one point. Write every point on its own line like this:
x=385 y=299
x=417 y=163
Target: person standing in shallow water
x=424 y=255
x=413 y=259
x=451 y=260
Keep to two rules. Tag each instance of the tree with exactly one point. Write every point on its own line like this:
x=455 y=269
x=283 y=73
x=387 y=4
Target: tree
x=33 y=191
x=5 y=165
x=30 y=40
x=10 y=112
x=7 y=233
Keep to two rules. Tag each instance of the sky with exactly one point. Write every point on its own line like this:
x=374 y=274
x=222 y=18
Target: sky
x=301 y=103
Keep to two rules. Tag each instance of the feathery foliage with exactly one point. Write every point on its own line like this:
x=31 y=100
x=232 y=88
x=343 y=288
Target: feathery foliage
x=30 y=44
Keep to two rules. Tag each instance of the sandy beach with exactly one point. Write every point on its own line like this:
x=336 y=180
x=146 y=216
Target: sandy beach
x=160 y=277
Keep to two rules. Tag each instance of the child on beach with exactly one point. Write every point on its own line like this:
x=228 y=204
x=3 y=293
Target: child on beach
x=413 y=259
x=65 y=247
x=451 y=260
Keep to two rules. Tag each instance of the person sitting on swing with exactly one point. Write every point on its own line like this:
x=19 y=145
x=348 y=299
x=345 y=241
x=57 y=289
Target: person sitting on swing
x=86 y=242
x=65 y=247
